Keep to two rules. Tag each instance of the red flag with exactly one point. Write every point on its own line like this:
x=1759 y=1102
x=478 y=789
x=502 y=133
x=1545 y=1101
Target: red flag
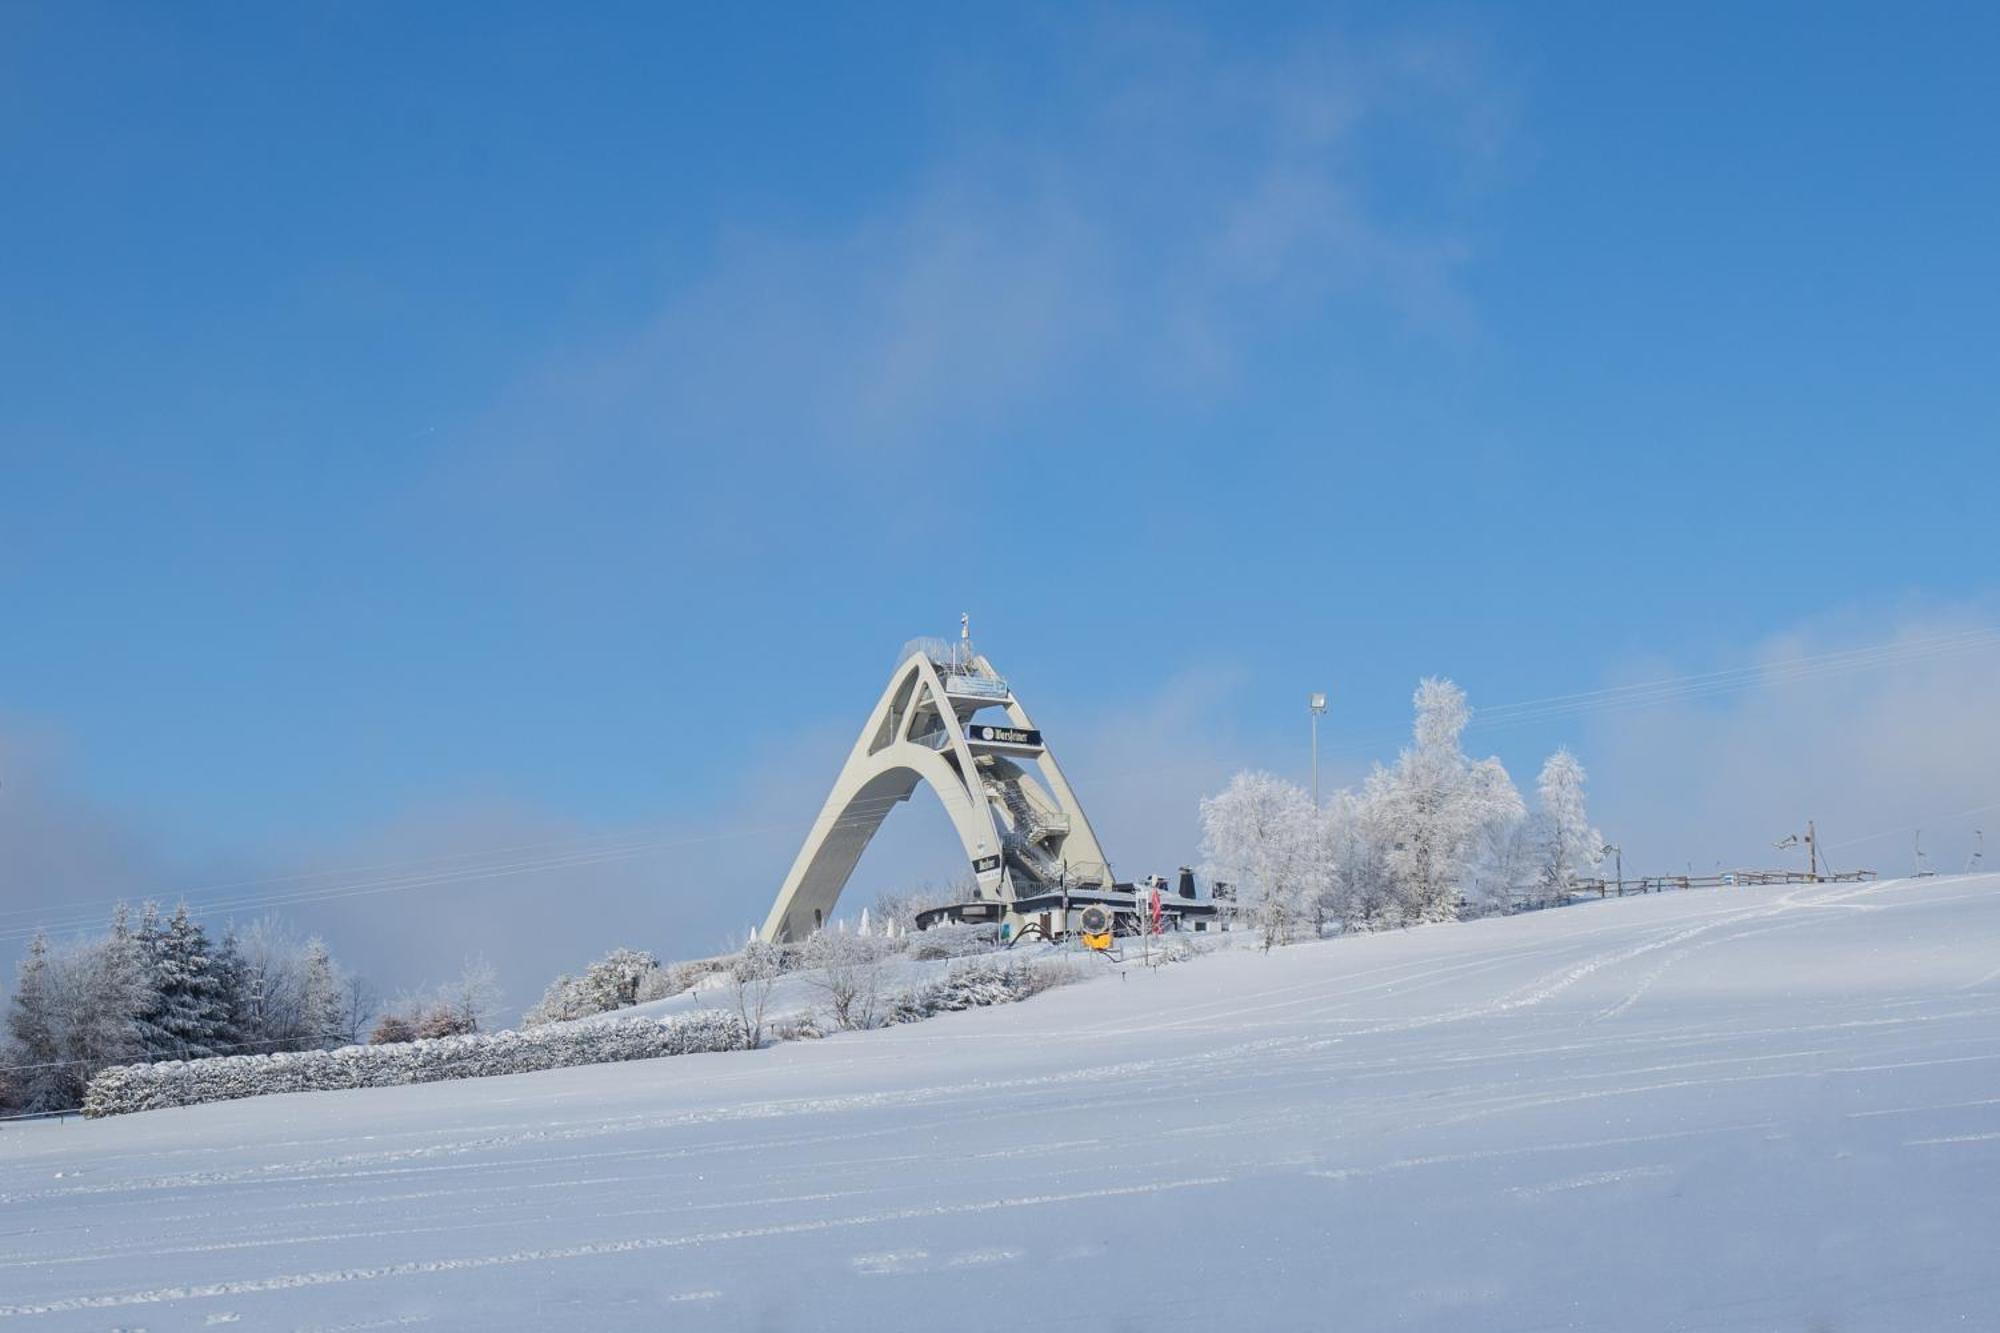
x=1156 y=909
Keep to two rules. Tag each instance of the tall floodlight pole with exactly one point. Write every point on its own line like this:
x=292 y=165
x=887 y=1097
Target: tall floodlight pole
x=1316 y=705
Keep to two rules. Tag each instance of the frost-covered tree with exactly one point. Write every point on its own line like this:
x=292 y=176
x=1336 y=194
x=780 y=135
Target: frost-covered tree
x=1429 y=811
x=34 y=1048
x=899 y=908
x=1262 y=835
x=1506 y=867
x=268 y=1003
x=615 y=981
x=116 y=992
x=1571 y=849
x=475 y=996
x=231 y=978
x=188 y=1016
x=1355 y=889
x=322 y=1007
x=75 y=1010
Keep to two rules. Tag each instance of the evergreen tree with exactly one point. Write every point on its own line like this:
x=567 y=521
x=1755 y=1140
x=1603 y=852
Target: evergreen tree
x=189 y=1015
x=232 y=982
x=31 y=1022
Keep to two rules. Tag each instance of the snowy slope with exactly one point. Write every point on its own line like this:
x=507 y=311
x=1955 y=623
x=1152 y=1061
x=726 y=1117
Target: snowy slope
x=1740 y=1109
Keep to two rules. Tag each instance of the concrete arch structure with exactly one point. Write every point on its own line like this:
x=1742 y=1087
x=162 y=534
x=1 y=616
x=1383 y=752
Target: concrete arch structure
x=1015 y=815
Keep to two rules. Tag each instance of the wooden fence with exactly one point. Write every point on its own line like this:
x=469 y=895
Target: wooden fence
x=1728 y=879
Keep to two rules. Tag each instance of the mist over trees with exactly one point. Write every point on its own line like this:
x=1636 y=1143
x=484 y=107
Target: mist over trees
x=1428 y=838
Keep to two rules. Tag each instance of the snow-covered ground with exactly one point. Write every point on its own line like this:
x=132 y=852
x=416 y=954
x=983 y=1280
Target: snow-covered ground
x=1740 y=1109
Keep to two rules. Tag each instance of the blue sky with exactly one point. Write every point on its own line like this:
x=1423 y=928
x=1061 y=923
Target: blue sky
x=428 y=429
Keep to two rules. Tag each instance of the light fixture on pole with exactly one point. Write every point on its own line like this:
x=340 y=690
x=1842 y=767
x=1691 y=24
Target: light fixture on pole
x=1618 y=852
x=1316 y=705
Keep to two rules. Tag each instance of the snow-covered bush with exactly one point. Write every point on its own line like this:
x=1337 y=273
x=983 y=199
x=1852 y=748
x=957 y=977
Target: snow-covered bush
x=674 y=978
x=978 y=982
x=753 y=973
x=129 y=1088
x=847 y=970
x=953 y=941
x=618 y=980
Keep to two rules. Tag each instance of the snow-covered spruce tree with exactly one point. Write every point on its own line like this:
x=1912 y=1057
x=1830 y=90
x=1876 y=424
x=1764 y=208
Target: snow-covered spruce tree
x=231 y=976
x=1429 y=811
x=1570 y=847
x=1262 y=835
x=188 y=1016
x=34 y=1042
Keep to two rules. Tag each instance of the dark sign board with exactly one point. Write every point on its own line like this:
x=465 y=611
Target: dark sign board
x=982 y=864
x=983 y=731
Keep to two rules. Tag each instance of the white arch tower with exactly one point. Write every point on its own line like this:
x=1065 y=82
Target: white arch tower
x=1020 y=824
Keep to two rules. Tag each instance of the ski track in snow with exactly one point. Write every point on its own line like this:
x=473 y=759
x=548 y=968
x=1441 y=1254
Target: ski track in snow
x=1618 y=1091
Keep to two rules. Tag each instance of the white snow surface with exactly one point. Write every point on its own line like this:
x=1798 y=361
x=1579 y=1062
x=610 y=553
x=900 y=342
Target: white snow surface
x=1741 y=1109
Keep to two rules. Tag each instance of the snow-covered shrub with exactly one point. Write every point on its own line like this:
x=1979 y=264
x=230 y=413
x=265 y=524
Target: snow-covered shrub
x=443 y=1021
x=803 y=1026
x=847 y=970
x=615 y=981
x=392 y=1029
x=752 y=975
x=953 y=941
x=129 y=1088
x=978 y=982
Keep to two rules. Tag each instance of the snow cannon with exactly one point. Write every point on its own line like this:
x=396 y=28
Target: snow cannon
x=1094 y=924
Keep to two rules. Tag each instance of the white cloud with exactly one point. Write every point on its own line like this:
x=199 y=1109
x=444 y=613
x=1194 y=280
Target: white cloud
x=1181 y=207
x=1863 y=752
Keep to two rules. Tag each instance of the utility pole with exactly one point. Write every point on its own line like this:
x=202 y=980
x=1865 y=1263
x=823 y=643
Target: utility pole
x=1811 y=841
x=1316 y=705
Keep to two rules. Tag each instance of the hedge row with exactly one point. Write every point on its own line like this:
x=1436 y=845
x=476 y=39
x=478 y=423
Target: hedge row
x=127 y=1088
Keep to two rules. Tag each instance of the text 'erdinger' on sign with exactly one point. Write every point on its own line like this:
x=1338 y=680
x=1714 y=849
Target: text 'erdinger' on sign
x=983 y=731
